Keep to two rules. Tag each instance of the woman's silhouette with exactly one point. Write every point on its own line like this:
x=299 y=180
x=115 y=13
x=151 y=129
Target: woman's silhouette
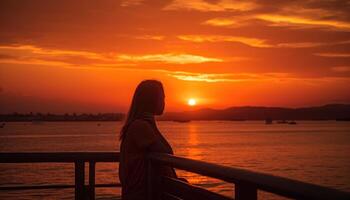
x=140 y=136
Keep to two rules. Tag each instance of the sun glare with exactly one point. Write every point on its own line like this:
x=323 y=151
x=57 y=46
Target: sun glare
x=191 y=102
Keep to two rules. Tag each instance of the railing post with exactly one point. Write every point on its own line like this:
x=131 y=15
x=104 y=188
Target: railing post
x=92 y=180
x=245 y=191
x=79 y=180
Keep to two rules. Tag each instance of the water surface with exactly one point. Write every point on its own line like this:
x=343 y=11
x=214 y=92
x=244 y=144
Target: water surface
x=312 y=151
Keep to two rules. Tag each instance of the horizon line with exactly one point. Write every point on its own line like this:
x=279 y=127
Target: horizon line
x=193 y=110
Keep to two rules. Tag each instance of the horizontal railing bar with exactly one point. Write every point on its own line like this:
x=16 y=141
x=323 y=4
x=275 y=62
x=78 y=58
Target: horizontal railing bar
x=187 y=191
x=277 y=185
x=109 y=185
x=60 y=157
x=35 y=187
x=58 y=186
x=167 y=196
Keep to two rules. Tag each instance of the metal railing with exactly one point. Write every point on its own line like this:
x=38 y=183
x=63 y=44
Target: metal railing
x=246 y=183
x=79 y=159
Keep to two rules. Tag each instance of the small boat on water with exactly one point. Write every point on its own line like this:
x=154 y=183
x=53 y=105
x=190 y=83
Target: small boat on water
x=2 y=125
x=286 y=122
x=268 y=121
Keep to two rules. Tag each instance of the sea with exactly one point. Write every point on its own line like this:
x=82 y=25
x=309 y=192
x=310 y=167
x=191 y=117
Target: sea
x=312 y=151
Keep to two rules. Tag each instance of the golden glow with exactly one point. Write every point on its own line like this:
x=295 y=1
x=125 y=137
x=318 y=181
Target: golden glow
x=205 y=6
x=192 y=102
x=279 y=20
x=150 y=37
x=221 y=22
x=297 y=20
x=169 y=58
x=341 y=69
x=222 y=52
x=335 y=55
x=254 y=42
x=36 y=54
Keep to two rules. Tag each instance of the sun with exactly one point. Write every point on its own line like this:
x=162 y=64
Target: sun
x=191 y=102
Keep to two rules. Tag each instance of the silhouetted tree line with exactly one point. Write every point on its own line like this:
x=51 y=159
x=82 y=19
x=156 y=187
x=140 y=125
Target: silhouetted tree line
x=62 y=117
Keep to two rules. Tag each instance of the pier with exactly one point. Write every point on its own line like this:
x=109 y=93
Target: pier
x=245 y=183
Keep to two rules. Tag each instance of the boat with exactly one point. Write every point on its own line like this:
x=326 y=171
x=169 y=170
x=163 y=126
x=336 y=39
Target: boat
x=292 y=123
x=282 y=122
x=2 y=125
x=268 y=121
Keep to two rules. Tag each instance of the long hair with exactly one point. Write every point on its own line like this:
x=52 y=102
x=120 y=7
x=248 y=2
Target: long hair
x=146 y=98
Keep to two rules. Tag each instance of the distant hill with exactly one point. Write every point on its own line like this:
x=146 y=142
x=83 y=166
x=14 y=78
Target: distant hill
x=326 y=112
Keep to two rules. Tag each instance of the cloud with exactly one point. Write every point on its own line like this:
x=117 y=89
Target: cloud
x=150 y=37
x=286 y=17
x=232 y=22
x=333 y=55
x=285 y=20
x=33 y=61
x=341 y=69
x=226 y=77
x=27 y=54
x=253 y=42
x=126 y=3
x=253 y=77
x=205 y=6
x=302 y=44
x=310 y=44
x=202 y=77
x=29 y=50
x=168 y=58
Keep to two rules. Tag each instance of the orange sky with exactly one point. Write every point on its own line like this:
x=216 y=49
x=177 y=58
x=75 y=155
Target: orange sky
x=83 y=56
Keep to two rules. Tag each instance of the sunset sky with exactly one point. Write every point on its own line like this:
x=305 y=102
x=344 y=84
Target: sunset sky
x=88 y=56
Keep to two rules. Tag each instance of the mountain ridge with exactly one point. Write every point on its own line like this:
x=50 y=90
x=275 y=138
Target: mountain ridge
x=325 y=112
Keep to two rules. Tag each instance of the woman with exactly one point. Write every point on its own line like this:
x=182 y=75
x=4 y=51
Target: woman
x=140 y=136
